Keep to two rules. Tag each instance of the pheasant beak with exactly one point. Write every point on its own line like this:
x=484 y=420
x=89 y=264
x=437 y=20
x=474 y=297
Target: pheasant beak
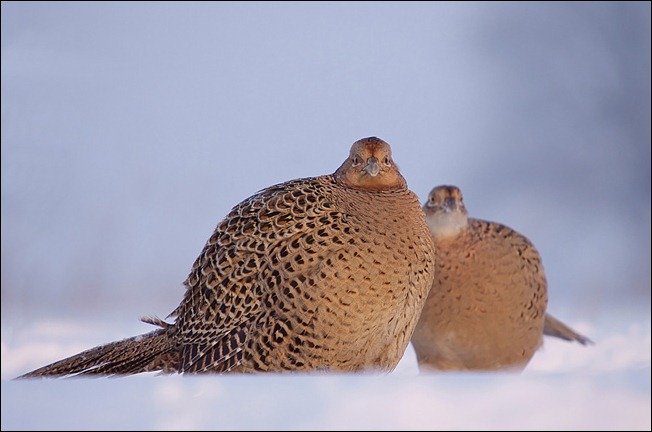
x=372 y=168
x=449 y=204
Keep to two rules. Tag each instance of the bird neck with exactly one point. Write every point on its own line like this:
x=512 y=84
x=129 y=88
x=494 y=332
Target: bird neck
x=446 y=225
x=385 y=181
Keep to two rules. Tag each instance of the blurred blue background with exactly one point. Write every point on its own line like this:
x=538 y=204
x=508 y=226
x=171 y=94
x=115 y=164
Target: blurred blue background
x=130 y=130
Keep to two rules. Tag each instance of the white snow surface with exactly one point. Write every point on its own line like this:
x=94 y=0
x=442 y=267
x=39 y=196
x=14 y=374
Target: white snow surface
x=566 y=386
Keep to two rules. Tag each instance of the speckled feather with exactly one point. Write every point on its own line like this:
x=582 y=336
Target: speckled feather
x=320 y=273
x=314 y=274
x=487 y=306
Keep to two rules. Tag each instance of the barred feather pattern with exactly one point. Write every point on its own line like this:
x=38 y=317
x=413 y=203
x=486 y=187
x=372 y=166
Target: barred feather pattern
x=487 y=306
x=308 y=275
x=150 y=352
x=321 y=273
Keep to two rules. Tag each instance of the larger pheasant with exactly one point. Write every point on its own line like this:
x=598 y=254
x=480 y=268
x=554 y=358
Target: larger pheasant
x=325 y=273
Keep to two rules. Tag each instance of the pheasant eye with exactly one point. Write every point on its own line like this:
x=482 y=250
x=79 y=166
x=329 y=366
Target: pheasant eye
x=386 y=160
x=355 y=161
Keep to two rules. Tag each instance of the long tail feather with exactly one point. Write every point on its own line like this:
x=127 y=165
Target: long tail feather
x=145 y=353
x=553 y=327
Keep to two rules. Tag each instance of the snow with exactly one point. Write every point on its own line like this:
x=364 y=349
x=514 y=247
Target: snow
x=566 y=386
x=455 y=401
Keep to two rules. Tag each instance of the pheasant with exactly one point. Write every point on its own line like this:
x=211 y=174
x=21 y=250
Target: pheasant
x=487 y=306
x=324 y=273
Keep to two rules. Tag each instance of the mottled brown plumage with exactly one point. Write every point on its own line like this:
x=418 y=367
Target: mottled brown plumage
x=322 y=273
x=487 y=306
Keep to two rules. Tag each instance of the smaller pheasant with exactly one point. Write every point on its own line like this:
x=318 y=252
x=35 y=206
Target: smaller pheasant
x=487 y=306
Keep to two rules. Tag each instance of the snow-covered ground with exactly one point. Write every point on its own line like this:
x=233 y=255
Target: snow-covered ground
x=566 y=386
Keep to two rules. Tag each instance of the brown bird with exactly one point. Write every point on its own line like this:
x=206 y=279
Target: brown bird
x=322 y=273
x=487 y=306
